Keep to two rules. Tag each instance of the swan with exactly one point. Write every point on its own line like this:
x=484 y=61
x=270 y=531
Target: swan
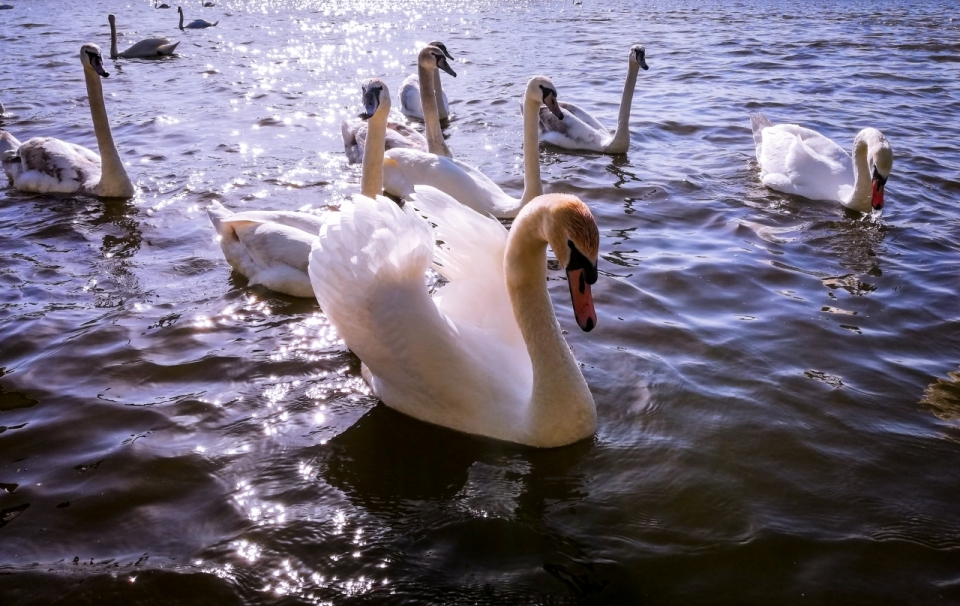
x=151 y=47
x=409 y=95
x=580 y=130
x=208 y=4
x=7 y=143
x=404 y=168
x=268 y=247
x=486 y=356
x=5 y=7
x=164 y=5
x=196 y=23
x=354 y=132
x=48 y=165
x=272 y=247
x=797 y=160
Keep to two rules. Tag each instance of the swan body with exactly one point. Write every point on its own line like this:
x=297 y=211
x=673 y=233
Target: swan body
x=486 y=356
x=801 y=161
x=398 y=136
x=409 y=94
x=208 y=4
x=164 y=5
x=196 y=23
x=268 y=247
x=5 y=7
x=144 y=49
x=403 y=169
x=48 y=165
x=580 y=130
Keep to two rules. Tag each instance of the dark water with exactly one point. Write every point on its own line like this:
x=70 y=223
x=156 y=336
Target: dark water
x=777 y=380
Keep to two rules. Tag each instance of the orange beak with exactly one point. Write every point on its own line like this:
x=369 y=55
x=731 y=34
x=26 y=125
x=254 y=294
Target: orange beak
x=583 y=309
x=877 y=200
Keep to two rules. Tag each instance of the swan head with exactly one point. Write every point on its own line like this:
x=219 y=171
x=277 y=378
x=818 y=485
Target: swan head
x=376 y=98
x=111 y=18
x=432 y=57
x=541 y=90
x=879 y=162
x=572 y=233
x=638 y=55
x=91 y=59
x=442 y=47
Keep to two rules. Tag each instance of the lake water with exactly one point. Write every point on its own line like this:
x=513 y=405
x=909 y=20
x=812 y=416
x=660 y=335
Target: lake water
x=777 y=380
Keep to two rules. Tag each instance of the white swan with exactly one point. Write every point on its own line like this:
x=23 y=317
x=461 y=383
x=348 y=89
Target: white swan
x=271 y=247
x=7 y=143
x=268 y=247
x=580 y=130
x=196 y=23
x=800 y=161
x=354 y=132
x=48 y=165
x=486 y=356
x=409 y=93
x=403 y=169
x=145 y=49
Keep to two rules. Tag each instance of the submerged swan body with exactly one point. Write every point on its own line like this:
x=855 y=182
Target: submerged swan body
x=196 y=23
x=580 y=130
x=404 y=169
x=486 y=356
x=409 y=94
x=48 y=165
x=268 y=247
x=800 y=161
x=144 y=49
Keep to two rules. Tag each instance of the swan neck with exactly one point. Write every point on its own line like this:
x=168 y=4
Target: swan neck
x=371 y=179
x=561 y=407
x=431 y=114
x=621 y=138
x=532 y=184
x=438 y=86
x=862 y=185
x=113 y=40
x=114 y=181
x=181 y=20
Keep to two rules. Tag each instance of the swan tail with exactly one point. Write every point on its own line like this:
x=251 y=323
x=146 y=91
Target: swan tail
x=758 y=122
x=168 y=49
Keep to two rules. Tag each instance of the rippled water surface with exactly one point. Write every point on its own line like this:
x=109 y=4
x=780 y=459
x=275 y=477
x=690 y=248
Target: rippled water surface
x=776 y=379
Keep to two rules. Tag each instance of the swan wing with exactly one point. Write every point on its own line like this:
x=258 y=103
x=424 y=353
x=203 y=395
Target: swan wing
x=801 y=161
x=405 y=168
x=367 y=269
x=351 y=145
x=582 y=114
x=572 y=132
x=398 y=136
x=409 y=95
x=268 y=247
x=7 y=142
x=48 y=165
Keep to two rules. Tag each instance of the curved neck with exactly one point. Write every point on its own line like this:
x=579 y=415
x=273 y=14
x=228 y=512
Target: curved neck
x=561 y=407
x=113 y=40
x=114 y=181
x=621 y=138
x=532 y=185
x=431 y=114
x=862 y=184
x=371 y=179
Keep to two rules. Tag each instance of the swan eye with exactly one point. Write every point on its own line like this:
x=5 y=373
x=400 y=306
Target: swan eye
x=547 y=91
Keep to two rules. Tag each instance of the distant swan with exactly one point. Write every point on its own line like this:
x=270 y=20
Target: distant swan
x=209 y=4
x=409 y=93
x=145 y=49
x=582 y=131
x=486 y=356
x=164 y=5
x=797 y=160
x=48 y=165
x=196 y=23
x=4 y=7
x=403 y=169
